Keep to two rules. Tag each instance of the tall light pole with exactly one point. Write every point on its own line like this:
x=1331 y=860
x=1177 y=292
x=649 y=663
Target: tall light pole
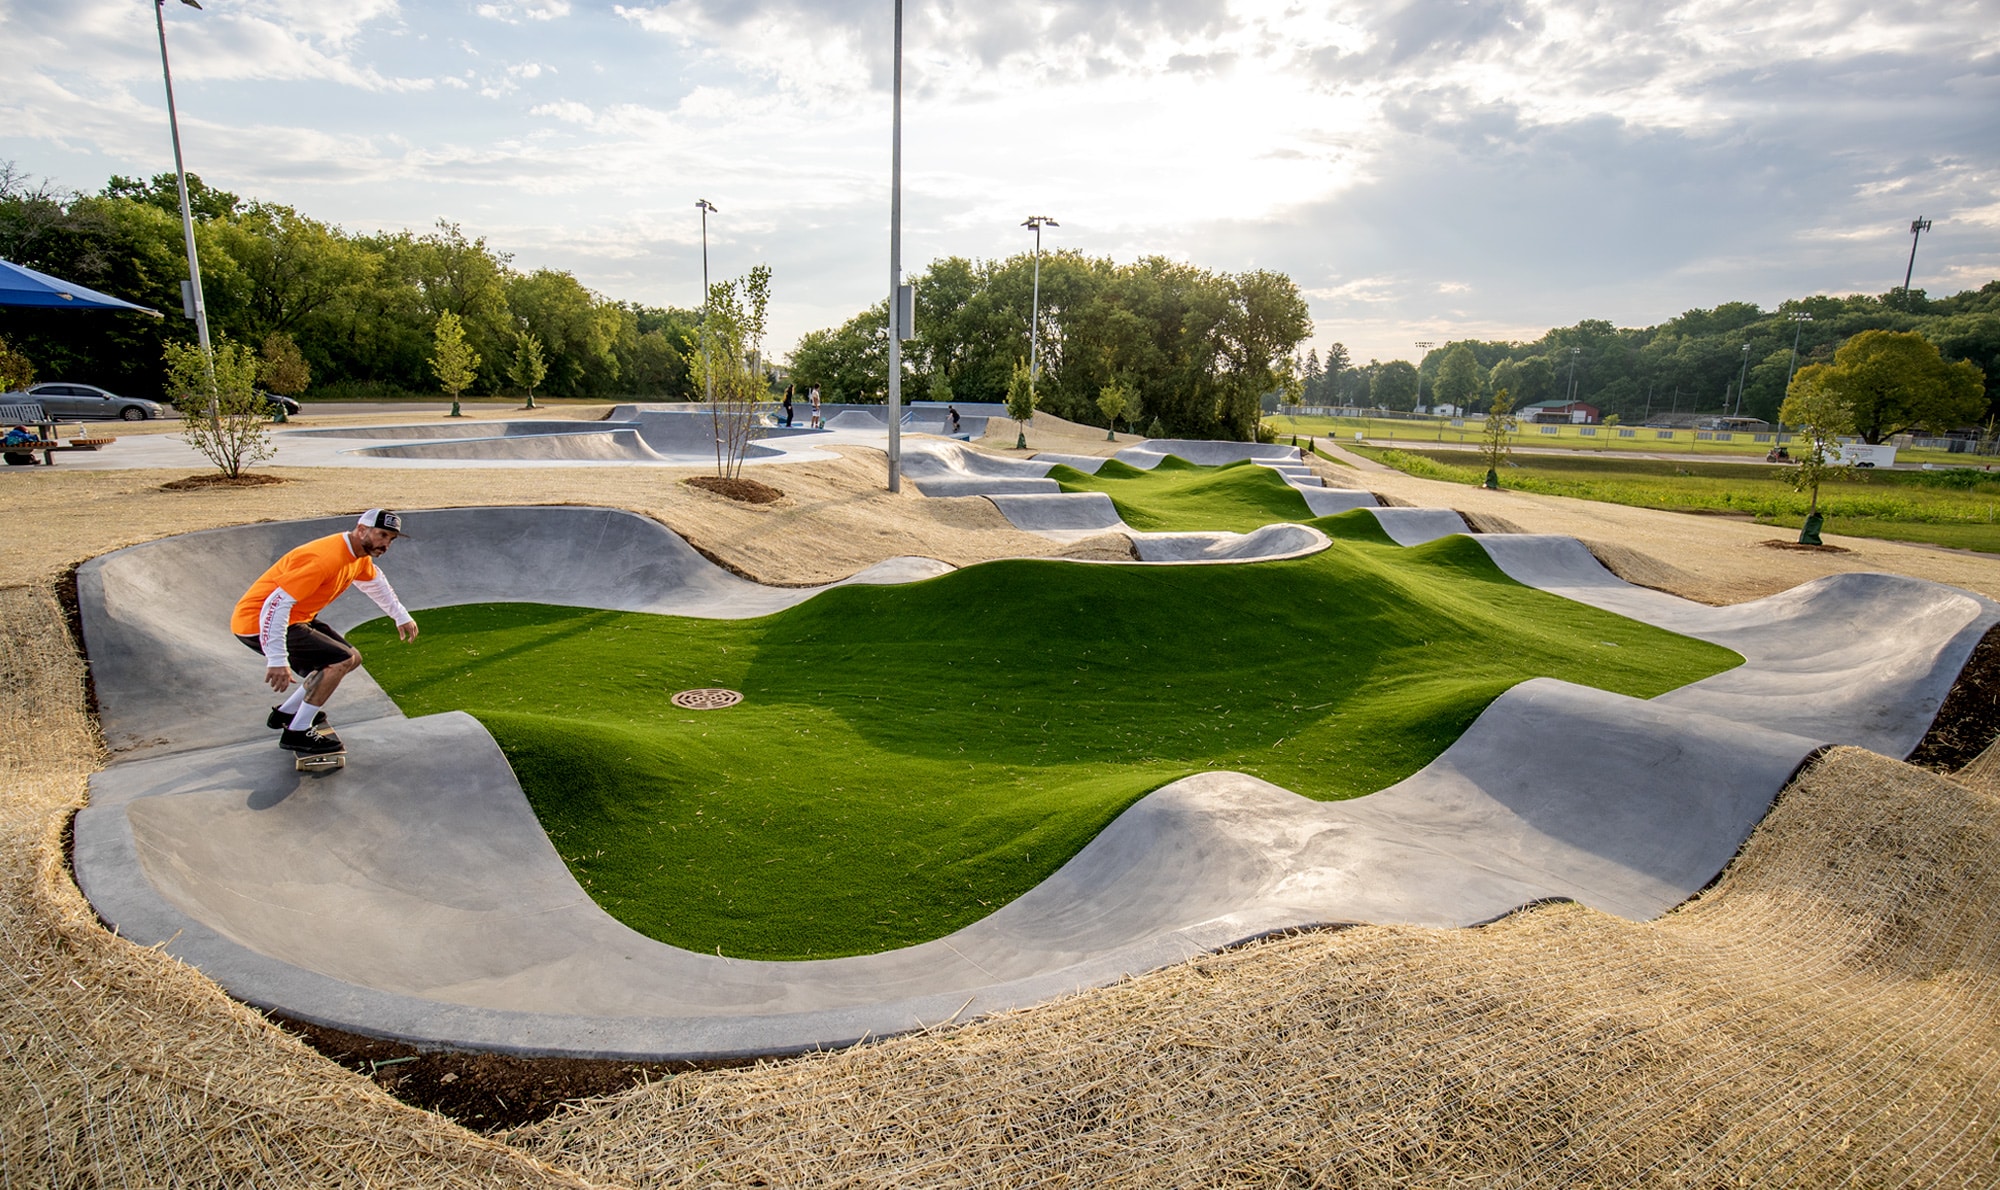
x=1570 y=395
x=1799 y=319
x=1917 y=228
x=707 y=373
x=1425 y=347
x=1037 y=222
x=896 y=269
x=1741 y=375
x=187 y=213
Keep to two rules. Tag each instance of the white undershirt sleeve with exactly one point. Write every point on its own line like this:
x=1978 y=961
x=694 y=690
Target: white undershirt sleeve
x=272 y=621
x=384 y=595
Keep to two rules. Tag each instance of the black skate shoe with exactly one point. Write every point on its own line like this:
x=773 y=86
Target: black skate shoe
x=310 y=743
x=279 y=720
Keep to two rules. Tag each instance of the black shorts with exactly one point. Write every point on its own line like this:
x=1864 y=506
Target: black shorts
x=309 y=647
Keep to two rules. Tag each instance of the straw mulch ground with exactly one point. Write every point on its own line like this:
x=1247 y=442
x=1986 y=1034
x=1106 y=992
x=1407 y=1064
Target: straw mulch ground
x=1825 y=1015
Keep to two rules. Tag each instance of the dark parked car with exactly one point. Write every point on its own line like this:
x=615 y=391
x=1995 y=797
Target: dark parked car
x=65 y=401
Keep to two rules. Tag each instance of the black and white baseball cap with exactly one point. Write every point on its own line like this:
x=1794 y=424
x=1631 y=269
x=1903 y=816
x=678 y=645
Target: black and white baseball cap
x=382 y=518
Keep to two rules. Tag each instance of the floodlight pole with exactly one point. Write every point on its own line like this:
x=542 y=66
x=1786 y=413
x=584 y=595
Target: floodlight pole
x=1037 y=222
x=1917 y=228
x=187 y=213
x=1799 y=319
x=1424 y=347
x=1570 y=395
x=896 y=267
x=707 y=372
x=1741 y=375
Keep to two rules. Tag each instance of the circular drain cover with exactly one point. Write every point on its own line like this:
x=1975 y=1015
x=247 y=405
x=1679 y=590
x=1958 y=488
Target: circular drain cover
x=712 y=698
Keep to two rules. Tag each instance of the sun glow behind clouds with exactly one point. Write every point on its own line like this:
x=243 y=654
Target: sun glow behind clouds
x=1447 y=162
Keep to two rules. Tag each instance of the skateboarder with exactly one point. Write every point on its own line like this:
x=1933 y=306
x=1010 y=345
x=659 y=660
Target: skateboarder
x=277 y=617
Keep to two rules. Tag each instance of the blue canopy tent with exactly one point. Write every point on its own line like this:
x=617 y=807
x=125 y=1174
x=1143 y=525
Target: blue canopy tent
x=20 y=286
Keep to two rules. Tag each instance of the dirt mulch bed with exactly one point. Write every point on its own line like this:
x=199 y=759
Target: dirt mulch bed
x=202 y=483
x=484 y=1092
x=1968 y=722
x=747 y=491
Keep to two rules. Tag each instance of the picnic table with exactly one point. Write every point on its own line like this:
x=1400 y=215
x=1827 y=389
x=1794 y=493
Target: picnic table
x=47 y=440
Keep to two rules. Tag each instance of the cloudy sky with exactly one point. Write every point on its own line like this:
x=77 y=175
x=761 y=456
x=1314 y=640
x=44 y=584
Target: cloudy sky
x=1428 y=170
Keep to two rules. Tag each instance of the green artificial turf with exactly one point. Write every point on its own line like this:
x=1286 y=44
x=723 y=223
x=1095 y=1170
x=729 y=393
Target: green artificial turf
x=1178 y=496
x=908 y=759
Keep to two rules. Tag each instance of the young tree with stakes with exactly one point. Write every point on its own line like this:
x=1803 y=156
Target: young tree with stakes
x=1494 y=444
x=527 y=369
x=1113 y=401
x=453 y=360
x=731 y=370
x=1819 y=415
x=1021 y=401
x=222 y=417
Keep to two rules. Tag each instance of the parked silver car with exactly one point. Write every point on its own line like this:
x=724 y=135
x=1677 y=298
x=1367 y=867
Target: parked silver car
x=65 y=401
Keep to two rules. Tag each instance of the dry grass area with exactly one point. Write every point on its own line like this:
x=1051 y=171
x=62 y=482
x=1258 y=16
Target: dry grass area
x=1828 y=1013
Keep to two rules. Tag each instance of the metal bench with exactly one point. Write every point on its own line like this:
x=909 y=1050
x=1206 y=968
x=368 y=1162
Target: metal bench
x=46 y=441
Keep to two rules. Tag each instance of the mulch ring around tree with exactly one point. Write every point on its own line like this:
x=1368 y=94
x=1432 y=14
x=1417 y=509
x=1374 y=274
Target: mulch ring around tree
x=199 y=483
x=745 y=491
x=1811 y=549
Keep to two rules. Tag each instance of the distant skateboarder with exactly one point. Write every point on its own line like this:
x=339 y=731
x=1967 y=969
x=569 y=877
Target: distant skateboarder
x=278 y=617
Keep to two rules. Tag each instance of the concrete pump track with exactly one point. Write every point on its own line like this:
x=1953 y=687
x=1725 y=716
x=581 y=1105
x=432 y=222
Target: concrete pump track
x=415 y=896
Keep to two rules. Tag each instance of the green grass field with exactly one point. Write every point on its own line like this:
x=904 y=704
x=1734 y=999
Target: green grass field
x=1178 y=496
x=1407 y=433
x=908 y=759
x=1956 y=508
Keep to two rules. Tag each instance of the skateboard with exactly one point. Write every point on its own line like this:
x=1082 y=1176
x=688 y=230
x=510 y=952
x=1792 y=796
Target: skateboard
x=323 y=762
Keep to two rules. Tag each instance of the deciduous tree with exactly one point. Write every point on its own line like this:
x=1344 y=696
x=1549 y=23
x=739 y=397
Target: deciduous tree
x=17 y=371
x=1394 y=385
x=1820 y=415
x=1895 y=381
x=527 y=368
x=453 y=360
x=1113 y=400
x=1021 y=401
x=1495 y=440
x=222 y=417
x=281 y=367
x=1459 y=379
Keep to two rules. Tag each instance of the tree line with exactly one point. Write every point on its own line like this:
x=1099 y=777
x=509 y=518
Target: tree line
x=1191 y=351
x=359 y=310
x=1687 y=365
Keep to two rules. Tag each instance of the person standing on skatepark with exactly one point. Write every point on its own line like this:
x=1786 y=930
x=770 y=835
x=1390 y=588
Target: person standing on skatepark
x=278 y=617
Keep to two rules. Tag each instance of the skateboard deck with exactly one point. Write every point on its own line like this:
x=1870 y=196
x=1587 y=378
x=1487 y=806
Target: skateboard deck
x=324 y=762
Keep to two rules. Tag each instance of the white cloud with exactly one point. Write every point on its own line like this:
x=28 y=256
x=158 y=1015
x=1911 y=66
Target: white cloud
x=567 y=110
x=514 y=14
x=1442 y=165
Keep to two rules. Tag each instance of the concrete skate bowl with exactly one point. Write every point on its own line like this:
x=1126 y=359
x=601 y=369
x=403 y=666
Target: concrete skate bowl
x=643 y=436
x=620 y=445
x=416 y=896
x=1032 y=501
x=875 y=419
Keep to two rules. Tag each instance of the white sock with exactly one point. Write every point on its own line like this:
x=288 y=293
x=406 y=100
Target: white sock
x=292 y=700
x=302 y=718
